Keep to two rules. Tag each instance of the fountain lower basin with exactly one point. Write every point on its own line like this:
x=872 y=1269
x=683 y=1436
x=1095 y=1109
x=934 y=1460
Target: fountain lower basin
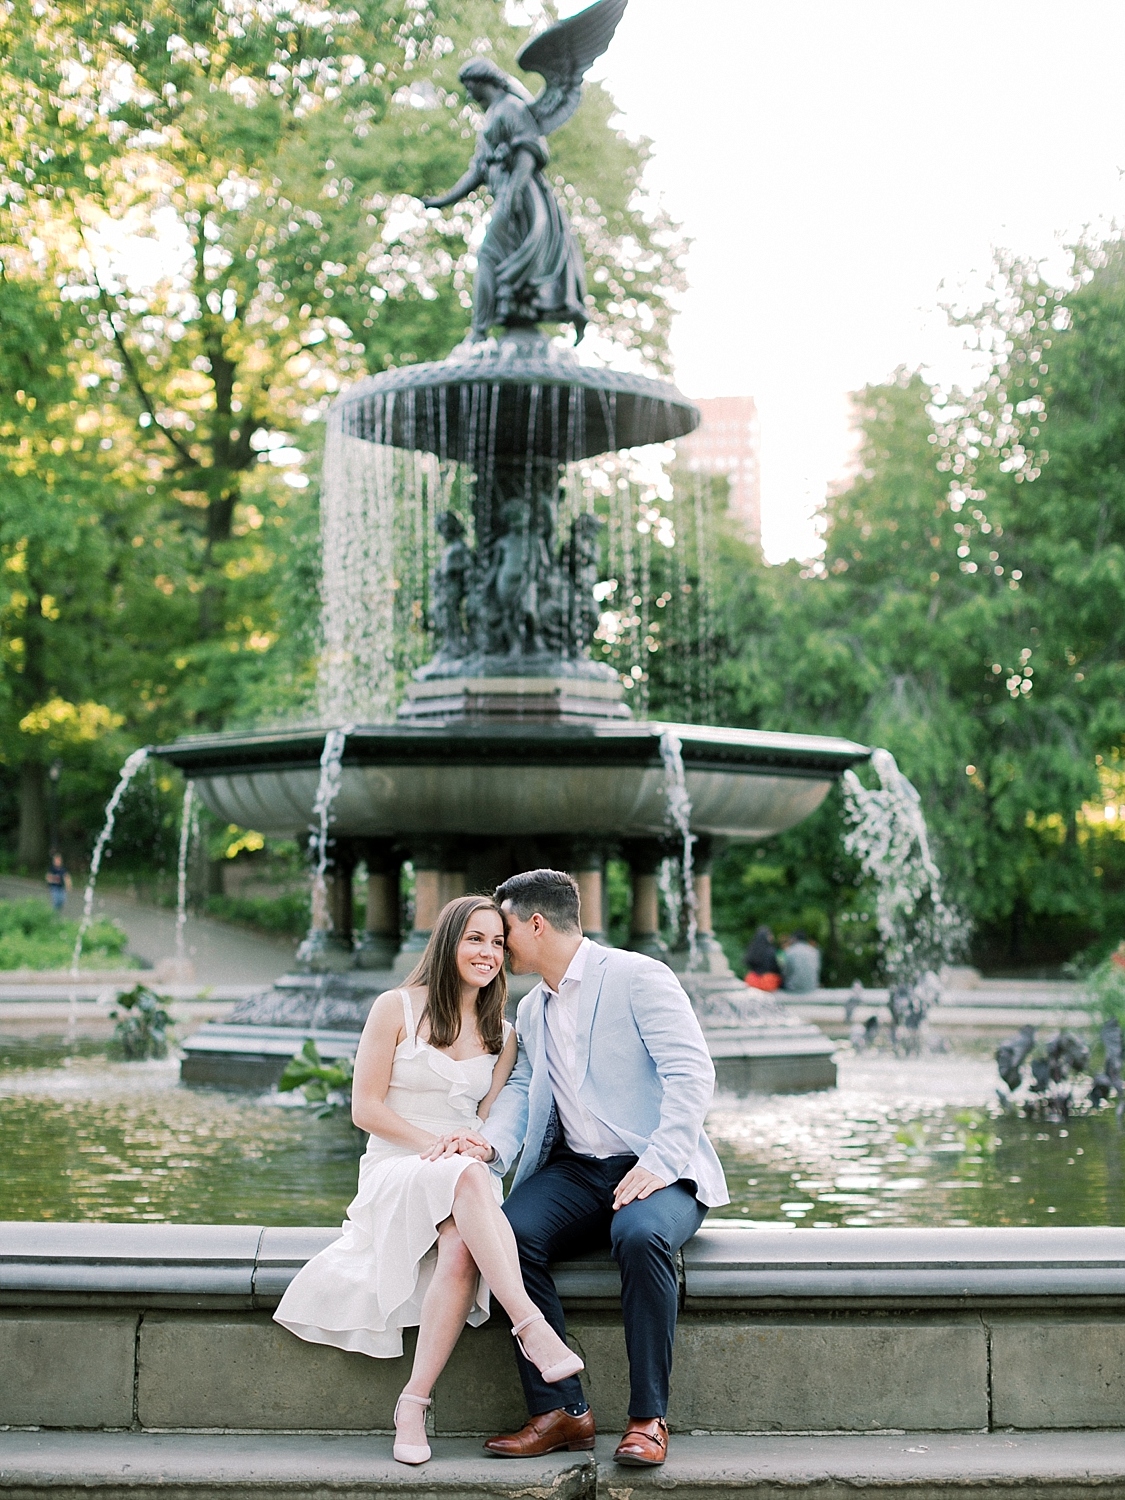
x=469 y=802
x=604 y=779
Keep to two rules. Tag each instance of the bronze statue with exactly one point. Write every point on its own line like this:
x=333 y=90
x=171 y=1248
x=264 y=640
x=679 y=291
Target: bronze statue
x=451 y=585
x=529 y=268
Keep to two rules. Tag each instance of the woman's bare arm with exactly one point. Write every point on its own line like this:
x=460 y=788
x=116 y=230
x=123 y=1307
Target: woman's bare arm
x=500 y=1073
x=373 y=1063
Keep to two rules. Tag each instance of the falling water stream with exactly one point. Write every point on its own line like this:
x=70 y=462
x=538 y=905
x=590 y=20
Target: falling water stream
x=327 y=790
x=679 y=815
x=128 y=771
x=919 y=931
x=187 y=823
x=380 y=510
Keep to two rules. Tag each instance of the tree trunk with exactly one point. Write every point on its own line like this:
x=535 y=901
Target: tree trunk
x=32 y=851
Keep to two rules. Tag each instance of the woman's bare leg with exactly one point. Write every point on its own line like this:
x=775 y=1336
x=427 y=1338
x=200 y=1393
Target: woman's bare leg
x=445 y=1307
x=489 y=1239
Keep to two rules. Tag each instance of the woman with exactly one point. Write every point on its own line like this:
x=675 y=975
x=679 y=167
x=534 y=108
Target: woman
x=763 y=972
x=425 y=1238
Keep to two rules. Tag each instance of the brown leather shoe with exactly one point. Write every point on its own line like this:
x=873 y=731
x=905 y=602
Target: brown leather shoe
x=645 y=1444
x=550 y=1432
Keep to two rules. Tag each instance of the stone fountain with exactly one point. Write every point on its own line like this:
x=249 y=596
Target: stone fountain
x=511 y=746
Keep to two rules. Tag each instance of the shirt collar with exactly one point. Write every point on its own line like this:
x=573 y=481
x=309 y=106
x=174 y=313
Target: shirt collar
x=576 y=968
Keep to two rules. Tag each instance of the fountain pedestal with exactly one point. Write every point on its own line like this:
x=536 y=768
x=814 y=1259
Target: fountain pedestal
x=512 y=747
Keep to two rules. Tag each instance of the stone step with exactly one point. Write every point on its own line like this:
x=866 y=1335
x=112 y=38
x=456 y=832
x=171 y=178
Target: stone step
x=913 y=1466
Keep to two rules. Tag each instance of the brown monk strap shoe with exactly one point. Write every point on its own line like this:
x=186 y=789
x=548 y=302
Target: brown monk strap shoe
x=549 y=1432
x=645 y=1444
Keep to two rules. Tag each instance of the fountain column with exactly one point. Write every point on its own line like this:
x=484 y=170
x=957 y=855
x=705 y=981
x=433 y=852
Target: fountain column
x=439 y=876
x=340 y=901
x=644 y=857
x=376 y=946
x=710 y=958
x=587 y=865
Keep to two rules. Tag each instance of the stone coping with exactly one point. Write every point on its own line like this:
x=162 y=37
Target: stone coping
x=727 y=1265
x=922 y=1464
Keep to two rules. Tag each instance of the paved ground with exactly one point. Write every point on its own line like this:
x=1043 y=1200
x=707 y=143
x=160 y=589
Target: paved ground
x=1057 y=1464
x=221 y=954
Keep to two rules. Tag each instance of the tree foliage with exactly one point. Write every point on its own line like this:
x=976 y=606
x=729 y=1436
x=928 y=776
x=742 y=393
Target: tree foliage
x=209 y=223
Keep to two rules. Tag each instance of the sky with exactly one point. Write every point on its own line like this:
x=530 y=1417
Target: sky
x=845 y=167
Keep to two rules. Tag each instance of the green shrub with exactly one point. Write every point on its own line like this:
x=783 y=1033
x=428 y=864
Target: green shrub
x=1104 y=988
x=142 y=1032
x=32 y=937
x=286 y=914
x=328 y=1085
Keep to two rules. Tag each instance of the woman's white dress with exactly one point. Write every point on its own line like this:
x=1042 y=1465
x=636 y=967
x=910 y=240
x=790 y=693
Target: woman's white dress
x=367 y=1286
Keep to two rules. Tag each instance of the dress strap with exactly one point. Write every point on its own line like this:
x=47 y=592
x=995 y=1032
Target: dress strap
x=408 y=1015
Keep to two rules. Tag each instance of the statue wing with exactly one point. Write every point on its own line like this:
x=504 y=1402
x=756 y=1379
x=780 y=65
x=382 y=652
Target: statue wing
x=563 y=54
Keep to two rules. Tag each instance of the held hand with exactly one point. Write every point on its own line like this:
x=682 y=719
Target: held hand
x=459 y=1143
x=637 y=1183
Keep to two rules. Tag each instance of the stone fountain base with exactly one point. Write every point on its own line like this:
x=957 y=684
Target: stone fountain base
x=757 y=1045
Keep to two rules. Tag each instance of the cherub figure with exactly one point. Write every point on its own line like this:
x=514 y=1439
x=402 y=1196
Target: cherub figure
x=450 y=587
x=529 y=267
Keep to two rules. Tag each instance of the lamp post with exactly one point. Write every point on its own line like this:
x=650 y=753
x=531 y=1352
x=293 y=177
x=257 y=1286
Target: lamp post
x=53 y=775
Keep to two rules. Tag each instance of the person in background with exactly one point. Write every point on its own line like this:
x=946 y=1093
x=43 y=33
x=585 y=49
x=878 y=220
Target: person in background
x=802 y=964
x=58 y=882
x=763 y=972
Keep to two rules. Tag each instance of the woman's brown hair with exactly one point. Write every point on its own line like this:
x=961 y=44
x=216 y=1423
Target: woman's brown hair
x=437 y=970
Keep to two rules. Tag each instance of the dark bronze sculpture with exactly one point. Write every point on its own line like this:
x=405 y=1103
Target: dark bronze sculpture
x=529 y=268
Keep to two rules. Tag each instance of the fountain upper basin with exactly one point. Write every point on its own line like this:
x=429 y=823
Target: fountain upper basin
x=603 y=778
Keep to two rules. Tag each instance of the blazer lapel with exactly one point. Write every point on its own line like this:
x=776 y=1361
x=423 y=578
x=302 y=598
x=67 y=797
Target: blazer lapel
x=587 y=1005
x=539 y=1092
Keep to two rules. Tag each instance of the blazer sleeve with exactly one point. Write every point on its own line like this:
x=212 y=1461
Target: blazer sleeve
x=506 y=1126
x=672 y=1035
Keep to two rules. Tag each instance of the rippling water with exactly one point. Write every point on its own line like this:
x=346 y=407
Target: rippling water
x=84 y=1138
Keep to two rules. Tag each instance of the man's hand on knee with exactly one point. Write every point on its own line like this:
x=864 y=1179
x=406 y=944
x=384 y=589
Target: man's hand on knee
x=637 y=1183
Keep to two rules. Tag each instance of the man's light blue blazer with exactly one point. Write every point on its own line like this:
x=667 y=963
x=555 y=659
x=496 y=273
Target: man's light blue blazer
x=643 y=1070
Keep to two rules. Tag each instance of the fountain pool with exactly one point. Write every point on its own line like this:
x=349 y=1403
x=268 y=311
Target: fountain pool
x=898 y=1143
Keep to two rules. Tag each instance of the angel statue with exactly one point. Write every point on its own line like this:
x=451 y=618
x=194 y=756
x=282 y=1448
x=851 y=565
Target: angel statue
x=529 y=268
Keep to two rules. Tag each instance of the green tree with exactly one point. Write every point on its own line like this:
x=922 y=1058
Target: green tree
x=269 y=158
x=63 y=542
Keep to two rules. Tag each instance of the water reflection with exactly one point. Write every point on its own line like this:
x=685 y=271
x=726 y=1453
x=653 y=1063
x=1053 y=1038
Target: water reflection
x=908 y=1143
x=917 y=1142
x=97 y=1140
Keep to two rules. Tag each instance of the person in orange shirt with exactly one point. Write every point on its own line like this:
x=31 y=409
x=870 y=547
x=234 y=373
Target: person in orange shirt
x=763 y=972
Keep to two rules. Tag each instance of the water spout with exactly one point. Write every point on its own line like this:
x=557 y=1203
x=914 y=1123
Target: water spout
x=919 y=932
x=128 y=771
x=679 y=815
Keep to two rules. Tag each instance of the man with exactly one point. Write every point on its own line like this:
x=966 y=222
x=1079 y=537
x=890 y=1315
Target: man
x=801 y=962
x=58 y=882
x=607 y=1101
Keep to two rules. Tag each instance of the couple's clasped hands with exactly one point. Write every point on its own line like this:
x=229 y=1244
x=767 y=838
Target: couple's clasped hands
x=638 y=1183
x=460 y=1143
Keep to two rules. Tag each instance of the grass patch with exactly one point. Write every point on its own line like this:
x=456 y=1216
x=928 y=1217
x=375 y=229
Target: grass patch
x=32 y=937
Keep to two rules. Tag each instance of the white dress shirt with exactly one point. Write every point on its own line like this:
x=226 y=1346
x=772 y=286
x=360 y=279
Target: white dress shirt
x=584 y=1133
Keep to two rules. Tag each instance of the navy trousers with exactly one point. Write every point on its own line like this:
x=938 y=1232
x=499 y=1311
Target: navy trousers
x=566 y=1209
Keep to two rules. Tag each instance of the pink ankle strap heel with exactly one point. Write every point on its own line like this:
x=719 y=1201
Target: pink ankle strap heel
x=411 y=1453
x=562 y=1369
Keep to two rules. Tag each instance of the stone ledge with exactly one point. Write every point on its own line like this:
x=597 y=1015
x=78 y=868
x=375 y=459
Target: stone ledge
x=726 y=1265
x=929 y=1466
